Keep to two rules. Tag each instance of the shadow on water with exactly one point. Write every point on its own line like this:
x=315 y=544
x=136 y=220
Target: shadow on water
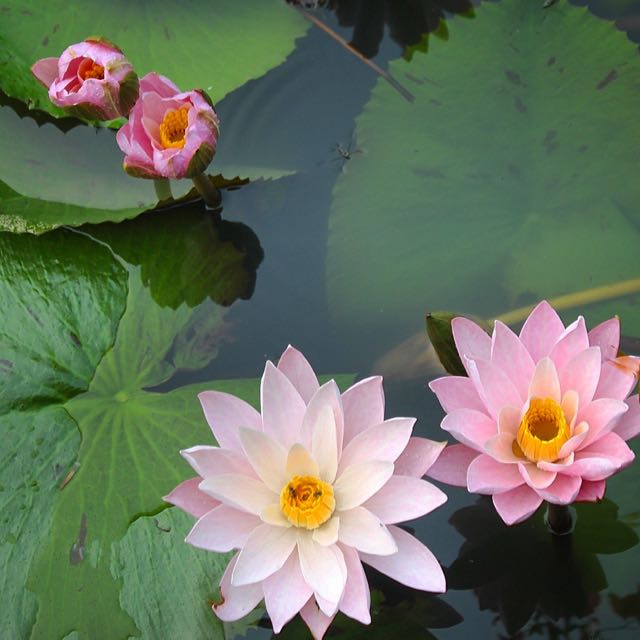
x=538 y=583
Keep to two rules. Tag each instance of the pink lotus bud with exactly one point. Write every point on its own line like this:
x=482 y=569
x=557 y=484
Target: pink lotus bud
x=169 y=134
x=91 y=79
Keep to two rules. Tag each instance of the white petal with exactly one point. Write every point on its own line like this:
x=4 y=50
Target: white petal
x=300 y=462
x=328 y=395
x=356 y=599
x=363 y=531
x=272 y=514
x=296 y=367
x=267 y=457
x=327 y=534
x=363 y=405
x=237 y=602
x=242 y=492
x=222 y=529
x=324 y=447
x=359 y=482
x=322 y=567
x=385 y=441
x=265 y=551
x=213 y=461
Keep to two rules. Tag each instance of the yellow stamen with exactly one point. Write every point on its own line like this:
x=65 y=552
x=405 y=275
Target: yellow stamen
x=543 y=431
x=173 y=127
x=92 y=70
x=307 y=501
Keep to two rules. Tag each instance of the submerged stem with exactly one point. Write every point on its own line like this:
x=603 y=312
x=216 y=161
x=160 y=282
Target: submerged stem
x=207 y=190
x=560 y=519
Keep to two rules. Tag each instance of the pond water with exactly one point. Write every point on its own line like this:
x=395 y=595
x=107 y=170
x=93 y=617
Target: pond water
x=496 y=168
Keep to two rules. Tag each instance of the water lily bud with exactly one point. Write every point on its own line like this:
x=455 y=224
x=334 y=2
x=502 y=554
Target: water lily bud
x=169 y=134
x=91 y=79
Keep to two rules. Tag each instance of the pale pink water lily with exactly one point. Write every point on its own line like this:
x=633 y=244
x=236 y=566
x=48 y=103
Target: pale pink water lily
x=308 y=490
x=92 y=79
x=541 y=416
x=170 y=134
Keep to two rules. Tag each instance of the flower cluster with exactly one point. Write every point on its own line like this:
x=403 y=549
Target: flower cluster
x=308 y=490
x=170 y=134
x=541 y=416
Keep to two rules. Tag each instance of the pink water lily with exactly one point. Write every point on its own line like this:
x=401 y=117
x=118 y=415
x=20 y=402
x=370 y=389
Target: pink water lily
x=170 y=134
x=541 y=416
x=307 y=491
x=92 y=79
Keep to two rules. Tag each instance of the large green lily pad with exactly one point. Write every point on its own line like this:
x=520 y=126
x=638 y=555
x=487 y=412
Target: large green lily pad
x=511 y=177
x=208 y=45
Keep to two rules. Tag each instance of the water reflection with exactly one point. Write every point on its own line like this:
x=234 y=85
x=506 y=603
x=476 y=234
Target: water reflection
x=537 y=583
x=187 y=254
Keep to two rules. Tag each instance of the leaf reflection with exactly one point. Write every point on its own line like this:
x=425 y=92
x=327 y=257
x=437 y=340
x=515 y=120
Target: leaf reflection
x=187 y=254
x=526 y=575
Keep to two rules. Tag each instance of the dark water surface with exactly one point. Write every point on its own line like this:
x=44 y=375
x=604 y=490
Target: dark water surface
x=301 y=121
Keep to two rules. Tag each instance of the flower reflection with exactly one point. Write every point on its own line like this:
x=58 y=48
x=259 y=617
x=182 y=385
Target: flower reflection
x=530 y=578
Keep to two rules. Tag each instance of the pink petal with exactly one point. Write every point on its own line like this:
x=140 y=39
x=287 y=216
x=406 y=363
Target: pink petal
x=359 y=482
x=265 y=551
x=363 y=406
x=324 y=446
x=606 y=336
x=456 y=392
x=493 y=386
x=296 y=367
x=500 y=448
x=581 y=374
x=362 y=530
x=356 y=598
x=573 y=340
x=242 y=492
x=516 y=505
x=237 y=602
x=575 y=441
x=470 y=427
x=509 y=421
x=404 y=498
x=222 y=529
x=413 y=565
x=189 y=498
x=615 y=381
x=472 y=341
x=328 y=608
x=323 y=568
x=267 y=457
x=158 y=84
x=512 y=358
x=591 y=491
x=282 y=407
x=601 y=458
x=328 y=395
x=563 y=490
x=212 y=461
x=545 y=382
x=452 y=465
x=285 y=592
x=418 y=457
x=384 y=441
x=536 y=478
x=489 y=476
x=541 y=331
x=629 y=425
x=226 y=414
x=317 y=622
x=46 y=71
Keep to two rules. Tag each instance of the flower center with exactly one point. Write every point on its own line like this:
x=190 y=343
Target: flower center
x=173 y=127
x=307 y=501
x=90 y=69
x=543 y=431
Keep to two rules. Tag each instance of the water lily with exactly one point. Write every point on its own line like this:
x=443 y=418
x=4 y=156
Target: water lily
x=541 y=416
x=170 y=134
x=308 y=490
x=92 y=79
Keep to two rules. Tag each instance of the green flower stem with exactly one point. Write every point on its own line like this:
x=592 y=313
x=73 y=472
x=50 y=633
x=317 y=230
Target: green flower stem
x=163 y=189
x=560 y=519
x=207 y=190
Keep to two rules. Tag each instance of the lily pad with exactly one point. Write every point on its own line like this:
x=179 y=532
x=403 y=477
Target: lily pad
x=501 y=172
x=197 y=44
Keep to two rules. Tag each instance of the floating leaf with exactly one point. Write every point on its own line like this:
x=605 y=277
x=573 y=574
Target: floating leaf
x=504 y=181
